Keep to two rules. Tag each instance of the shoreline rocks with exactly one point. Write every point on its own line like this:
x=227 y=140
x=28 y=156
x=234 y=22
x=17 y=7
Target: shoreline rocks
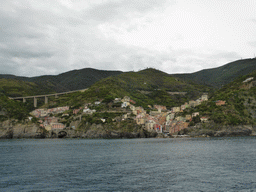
x=12 y=129
x=215 y=130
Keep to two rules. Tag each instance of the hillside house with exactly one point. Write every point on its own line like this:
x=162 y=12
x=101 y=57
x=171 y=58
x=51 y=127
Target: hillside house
x=58 y=110
x=220 y=102
x=125 y=104
x=97 y=102
x=204 y=97
x=160 y=107
x=126 y=99
x=149 y=125
x=154 y=113
x=117 y=100
x=192 y=103
x=39 y=113
x=140 y=120
x=89 y=111
x=140 y=110
x=170 y=116
x=126 y=116
x=180 y=118
x=50 y=120
x=183 y=107
x=195 y=114
x=204 y=119
x=248 y=79
x=75 y=111
x=132 y=107
x=198 y=102
x=176 y=109
x=44 y=113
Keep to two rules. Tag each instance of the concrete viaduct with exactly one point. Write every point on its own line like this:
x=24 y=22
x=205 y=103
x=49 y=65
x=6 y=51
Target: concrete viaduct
x=44 y=96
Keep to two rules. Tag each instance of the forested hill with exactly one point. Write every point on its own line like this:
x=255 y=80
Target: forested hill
x=147 y=87
x=223 y=75
x=84 y=78
x=68 y=81
x=240 y=102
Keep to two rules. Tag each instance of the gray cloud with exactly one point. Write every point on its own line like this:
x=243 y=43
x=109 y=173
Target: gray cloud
x=119 y=9
x=50 y=37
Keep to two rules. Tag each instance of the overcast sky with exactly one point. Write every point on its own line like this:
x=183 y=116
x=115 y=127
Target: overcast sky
x=39 y=37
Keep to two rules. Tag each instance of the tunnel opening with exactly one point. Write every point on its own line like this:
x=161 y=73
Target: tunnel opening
x=62 y=134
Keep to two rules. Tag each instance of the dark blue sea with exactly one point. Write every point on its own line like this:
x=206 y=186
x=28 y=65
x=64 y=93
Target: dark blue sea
x=194 y=164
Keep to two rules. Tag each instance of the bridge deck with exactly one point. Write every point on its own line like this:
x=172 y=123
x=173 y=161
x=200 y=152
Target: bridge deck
x=53 y=94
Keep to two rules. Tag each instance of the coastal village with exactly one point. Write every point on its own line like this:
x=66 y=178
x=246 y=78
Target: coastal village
x=158 y=119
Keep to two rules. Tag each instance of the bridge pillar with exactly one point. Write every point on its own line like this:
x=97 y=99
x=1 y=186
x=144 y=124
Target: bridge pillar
x=24 y=100
x=56 y=96
x=35 y=102
x=46 y=100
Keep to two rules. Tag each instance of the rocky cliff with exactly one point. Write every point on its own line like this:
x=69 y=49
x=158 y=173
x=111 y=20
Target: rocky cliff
x=12 y=129
x=216 y=130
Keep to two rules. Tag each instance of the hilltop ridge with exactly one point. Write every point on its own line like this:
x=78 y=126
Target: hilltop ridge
x=84 y=78
x=222 y=75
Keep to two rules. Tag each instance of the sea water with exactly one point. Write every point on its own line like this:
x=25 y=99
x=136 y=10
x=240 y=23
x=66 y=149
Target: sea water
x=182 y=164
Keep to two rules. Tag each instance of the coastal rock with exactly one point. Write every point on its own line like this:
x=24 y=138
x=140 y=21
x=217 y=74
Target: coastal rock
x=12 y=129
x=215 y=130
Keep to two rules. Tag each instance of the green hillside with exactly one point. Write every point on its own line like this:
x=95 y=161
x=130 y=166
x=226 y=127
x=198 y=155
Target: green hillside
x=10 y=109
x=223 y=75
x=240 y=107
x=84 y=78
x=71 y=80
x=146 y=87
x=17 y=88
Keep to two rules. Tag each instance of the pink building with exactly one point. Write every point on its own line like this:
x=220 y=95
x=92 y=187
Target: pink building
x=57 y=126
x=220 y=102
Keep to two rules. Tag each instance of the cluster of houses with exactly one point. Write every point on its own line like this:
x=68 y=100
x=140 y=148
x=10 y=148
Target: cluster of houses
x=85 y=110
x=51 y=123
x=38 y=113
x=166 y=121
x=159 y=118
